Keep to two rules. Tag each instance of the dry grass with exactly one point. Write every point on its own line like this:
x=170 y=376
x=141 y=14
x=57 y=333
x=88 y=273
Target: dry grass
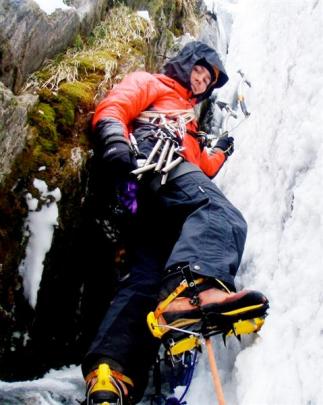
x=120 y=33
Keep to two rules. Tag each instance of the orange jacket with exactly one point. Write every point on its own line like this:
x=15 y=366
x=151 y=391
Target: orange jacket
x=140 y=91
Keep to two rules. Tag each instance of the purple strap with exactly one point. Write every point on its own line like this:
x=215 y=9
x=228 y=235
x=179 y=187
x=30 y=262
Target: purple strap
x=128 y=196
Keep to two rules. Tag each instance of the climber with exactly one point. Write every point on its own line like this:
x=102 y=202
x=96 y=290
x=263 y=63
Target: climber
x=184 y=228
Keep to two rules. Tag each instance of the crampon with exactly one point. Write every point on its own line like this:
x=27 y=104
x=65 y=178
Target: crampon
x=107 y=387
x=187 y=328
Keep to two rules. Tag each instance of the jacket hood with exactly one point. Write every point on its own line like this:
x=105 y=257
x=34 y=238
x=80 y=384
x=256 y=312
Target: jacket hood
x=180 y=67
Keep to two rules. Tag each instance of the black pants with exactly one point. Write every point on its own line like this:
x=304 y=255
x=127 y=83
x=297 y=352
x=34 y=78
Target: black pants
x=190 y=221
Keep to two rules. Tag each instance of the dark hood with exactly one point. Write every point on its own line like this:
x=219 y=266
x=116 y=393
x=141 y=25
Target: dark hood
x=180 y=67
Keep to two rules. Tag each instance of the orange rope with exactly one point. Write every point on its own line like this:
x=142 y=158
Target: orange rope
x=215 y=373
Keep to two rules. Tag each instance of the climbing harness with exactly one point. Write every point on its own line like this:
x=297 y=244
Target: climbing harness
x=174 y=117
x=169 y=131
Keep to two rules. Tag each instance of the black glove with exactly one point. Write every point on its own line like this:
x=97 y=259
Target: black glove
x=119 y=158
x=119 y=161
x=114 y=147
x=226 y=144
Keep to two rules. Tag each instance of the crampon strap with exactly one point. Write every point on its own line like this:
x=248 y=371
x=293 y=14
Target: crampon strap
x=152 y=318
x=115 y=374
x=105 y=380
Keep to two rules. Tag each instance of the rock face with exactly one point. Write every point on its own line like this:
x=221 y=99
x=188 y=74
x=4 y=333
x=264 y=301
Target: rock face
x=13 y=126
x=89 y=13
x=28 y=35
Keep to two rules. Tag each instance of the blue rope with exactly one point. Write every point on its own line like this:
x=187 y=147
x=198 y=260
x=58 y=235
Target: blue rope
x=175 y=401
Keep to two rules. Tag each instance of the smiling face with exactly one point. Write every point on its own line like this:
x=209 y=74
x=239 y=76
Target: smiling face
x=200 y=79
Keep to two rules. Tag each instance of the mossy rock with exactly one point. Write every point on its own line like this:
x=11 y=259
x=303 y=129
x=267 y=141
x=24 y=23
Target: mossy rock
x=65 y=113
x=43 y=117
x=81 y=94
x=63 y=107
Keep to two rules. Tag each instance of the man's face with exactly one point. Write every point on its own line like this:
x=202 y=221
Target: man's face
x=200 y=79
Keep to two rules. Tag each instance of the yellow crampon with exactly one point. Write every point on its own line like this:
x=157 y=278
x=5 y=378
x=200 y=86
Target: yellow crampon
x=105 y=380
x=194 y=340
x=246 y=327
x=184 y=345
x=239 y=328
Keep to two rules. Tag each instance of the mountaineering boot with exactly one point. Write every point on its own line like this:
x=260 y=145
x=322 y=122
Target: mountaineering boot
x=207 y=306
x=107 y=387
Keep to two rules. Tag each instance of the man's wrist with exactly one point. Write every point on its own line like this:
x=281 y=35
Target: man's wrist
x=115 y=139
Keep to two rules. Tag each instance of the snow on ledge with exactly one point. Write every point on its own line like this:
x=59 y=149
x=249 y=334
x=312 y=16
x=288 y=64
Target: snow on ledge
x=50 y=6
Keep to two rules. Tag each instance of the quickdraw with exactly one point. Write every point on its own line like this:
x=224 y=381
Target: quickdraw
x=165 y=155
x=170 y=131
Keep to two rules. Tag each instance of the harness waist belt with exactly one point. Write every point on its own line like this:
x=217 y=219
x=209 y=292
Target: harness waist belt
x=179 y=170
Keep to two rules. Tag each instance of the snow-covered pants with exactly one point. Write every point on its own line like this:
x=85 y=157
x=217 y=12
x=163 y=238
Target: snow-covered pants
x=188 y=220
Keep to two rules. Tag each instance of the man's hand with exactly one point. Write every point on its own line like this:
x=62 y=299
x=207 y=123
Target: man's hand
x=226 y=144
x=114 y=148
x=119 y=158
x=118 y=161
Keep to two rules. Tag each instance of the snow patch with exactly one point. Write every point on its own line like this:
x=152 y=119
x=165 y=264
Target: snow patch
x=40 y=223
x=55 y=388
